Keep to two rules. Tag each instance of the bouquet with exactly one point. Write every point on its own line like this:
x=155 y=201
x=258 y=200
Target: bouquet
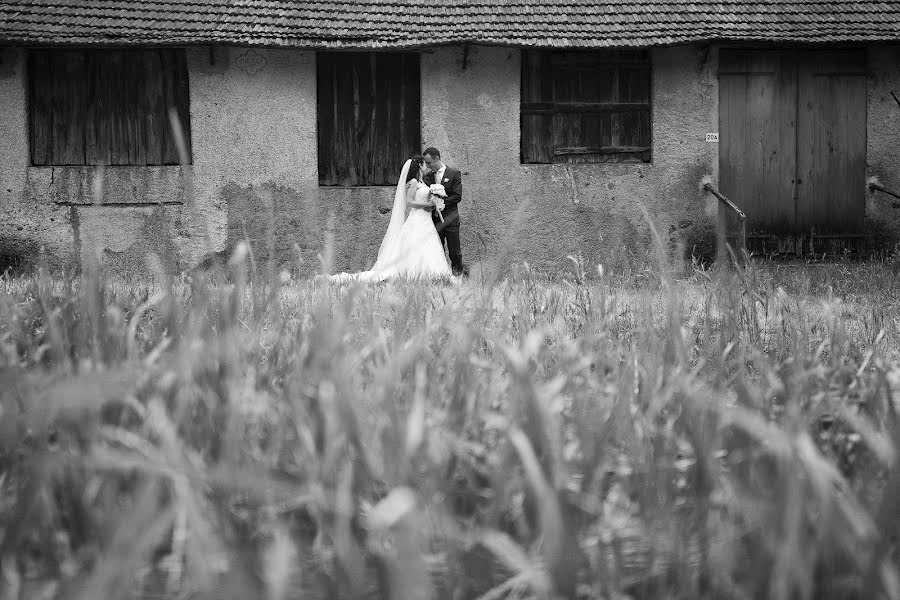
x=438 y=193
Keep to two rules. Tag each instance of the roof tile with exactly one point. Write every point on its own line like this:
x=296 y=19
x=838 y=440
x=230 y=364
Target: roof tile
x=405 y=24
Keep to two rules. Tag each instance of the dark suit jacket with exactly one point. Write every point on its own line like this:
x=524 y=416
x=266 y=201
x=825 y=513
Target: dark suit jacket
x=452 y=183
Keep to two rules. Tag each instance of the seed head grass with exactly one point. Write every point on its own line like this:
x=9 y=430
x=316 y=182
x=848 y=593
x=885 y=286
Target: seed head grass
x=727 y=433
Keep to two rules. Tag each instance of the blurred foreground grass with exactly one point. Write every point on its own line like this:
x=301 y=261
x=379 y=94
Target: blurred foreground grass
x=723 y=435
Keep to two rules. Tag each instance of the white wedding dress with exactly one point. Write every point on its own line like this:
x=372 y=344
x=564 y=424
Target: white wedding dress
x=411 y=247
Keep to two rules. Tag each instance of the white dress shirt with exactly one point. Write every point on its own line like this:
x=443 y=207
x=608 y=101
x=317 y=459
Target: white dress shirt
x=439 y=176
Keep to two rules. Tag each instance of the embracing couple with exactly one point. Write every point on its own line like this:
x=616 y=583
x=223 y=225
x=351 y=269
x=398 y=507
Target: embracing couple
x=413 y=245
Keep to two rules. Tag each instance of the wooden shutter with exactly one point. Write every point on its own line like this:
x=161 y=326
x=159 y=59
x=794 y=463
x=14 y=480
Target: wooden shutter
x=368 y=116
x=585 y=106
x=175 y=94
x=59 y=98
x=107 y=107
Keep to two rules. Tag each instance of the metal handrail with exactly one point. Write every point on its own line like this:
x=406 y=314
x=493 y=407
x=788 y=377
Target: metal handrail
x=709 y=188
x=878 y=187
x=742 y=221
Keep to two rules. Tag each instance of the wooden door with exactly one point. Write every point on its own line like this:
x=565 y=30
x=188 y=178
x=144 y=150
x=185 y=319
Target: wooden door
x=757 y=138
x=792 y=145
x=831 y=144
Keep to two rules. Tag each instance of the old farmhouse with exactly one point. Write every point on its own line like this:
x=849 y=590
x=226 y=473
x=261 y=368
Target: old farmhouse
x=572 y=122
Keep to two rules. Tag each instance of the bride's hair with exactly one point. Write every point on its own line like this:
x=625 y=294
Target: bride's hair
x=415 y=164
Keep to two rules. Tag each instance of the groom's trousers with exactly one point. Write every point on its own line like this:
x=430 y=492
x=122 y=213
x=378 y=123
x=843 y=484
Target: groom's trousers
x=449 y=231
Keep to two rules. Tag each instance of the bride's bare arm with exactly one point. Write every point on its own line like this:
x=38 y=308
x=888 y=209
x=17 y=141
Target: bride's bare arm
x=411 y=199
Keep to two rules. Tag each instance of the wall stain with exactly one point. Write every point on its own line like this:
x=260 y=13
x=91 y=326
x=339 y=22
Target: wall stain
x=76 y=233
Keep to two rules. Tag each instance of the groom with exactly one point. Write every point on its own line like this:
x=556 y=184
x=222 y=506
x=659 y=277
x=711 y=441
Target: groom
x=447 y=230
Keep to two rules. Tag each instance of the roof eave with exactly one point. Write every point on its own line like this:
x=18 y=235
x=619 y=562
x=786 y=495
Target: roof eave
x=383 y=44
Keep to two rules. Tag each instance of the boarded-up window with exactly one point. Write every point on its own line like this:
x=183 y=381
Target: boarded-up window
x=585 y=106
x=369 y=114
x=107 y=107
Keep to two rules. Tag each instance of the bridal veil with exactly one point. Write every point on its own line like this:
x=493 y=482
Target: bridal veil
x=388 y=253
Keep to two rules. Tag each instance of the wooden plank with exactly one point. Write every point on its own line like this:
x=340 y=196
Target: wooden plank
x=634 y=85
x=732 y=132
x=832 y=143
x=338 y=142
x=325 y=114
x=183 y=97
x=596 y=131
x=101 y=111
x=757 y=140
x=565 y=132
x=134 y=107
x=770 y=143
x=601 y=150
x=567 y=85
x=537 y=108
x=814 y=136
x=40 y=114
x=537 y=129
x=170 y=82
x=733 y=60
x=536 y=87
x=529 y=140
x=155 y=126
x=596 y=58
x=96 y=147
x=118 y=69
x=536 y=137
x=345 y=151
x=175 y=86
x=597 y=83
x=68 y=101
x=641 y=129
x=412 y=108
x=386 y=151
x=365 y=120
x=391 y=75
x=618 y=129
x=114 y=71
x=635 y=129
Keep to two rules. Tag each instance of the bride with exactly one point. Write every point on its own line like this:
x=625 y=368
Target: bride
x=411 y=247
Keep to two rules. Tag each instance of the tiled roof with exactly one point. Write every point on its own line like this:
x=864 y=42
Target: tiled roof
x=411 y=23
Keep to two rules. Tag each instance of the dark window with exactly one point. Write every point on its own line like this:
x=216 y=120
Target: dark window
x=107 y=107
x=369 y=114
x=585 y=107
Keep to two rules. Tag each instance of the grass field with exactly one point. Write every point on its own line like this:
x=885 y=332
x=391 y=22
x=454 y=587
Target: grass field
x=713 y=435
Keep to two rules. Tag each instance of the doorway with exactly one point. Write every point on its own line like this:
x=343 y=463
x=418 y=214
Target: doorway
x=792 y=148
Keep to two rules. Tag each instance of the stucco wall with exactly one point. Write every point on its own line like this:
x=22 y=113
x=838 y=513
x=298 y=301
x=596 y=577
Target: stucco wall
x=27 y=223
x=253 y=120
x=50 y=207
x=254 y=163
x=253 y=115
x=883 y=143
x=543 y=213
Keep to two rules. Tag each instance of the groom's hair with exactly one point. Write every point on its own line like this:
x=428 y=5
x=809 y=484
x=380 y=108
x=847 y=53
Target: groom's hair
x=433 y=152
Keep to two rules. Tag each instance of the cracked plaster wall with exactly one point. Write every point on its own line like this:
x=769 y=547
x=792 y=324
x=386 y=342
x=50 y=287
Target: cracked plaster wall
x=883 y=143
x=253 y=119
